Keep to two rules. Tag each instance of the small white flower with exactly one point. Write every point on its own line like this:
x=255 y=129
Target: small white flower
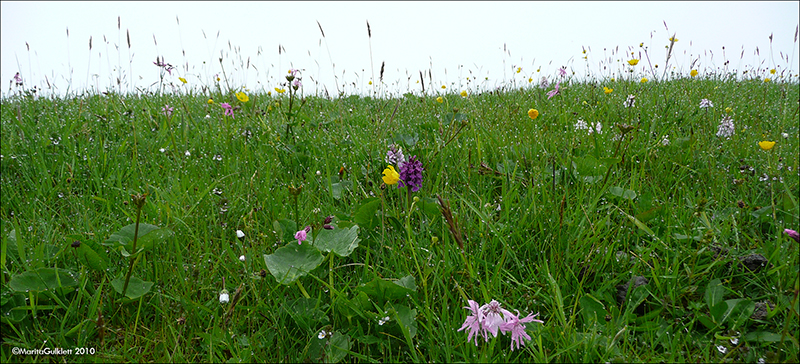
x=761 y=361
x=224 y=297
x=665 y=140
x=162 y=150
x=581 y=125
x=785 y=135
x=383 y=321
x=734 y=340
x=187 y=154
x=319 y=173
x=722 y=349
x=239 y=234
x=704 y=103
x=242 y=258
x=322 y=335
x=596 y=126
x=208 y=116
x=217 y=157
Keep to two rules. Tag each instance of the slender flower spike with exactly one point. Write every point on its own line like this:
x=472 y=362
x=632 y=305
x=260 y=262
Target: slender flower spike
x=473 y=322
x=390 y=176
x=726 y=127
x=533 y=114
x=411 y=174
x=704 y=103
x=792 y=234
x=630 y=101
x=394 y=156
x=553 y=92
x=633 y=62
x=242 y=97
x=517 y=328
x=766 y=145
x=693 y=73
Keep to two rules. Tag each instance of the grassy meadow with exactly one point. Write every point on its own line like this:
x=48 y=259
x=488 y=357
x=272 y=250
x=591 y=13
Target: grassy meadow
x=641 y=217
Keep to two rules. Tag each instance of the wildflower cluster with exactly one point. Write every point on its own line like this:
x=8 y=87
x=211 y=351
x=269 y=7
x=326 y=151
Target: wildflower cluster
x=705 y=103
x=394 y=156
x=411 y=174
x=726 y=127
x=491 y=318
x=410 y=171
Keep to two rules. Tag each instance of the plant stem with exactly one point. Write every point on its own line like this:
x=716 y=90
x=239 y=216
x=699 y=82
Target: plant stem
x=135 y=238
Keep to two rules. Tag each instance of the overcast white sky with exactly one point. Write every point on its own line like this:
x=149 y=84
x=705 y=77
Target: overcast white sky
x=451 y=39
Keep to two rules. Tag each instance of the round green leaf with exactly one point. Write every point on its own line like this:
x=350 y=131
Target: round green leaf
x=292 y=261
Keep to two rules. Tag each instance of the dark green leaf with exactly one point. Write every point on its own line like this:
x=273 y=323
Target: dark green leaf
x=42 y=279
x=340 y=241
x=292 y=261
x=136 y=287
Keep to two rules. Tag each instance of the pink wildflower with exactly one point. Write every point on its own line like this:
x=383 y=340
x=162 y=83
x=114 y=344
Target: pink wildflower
x=302 y=235
x=473 y=322
x=493 y=317
x=517 y=328
x=792 y=234
x=228 y=108
x=554 y=92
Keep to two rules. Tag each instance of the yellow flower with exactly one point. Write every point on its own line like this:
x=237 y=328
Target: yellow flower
x=390 y=176
x=210 y=101
x=673 y=39
x=608 y=90
x=633 y=62
x=439 y=99
x=217 y=79
x=767 y=80
x=641 y=44
x=644 y=79
x=530 y=79
x=693 y=73
x=242 y=97
x=370 y=82
x=182 y=79
x=464 y=93
x=533 y=114
x=772 y=71
x=766 y=145
x=280 y=90
x=519 y=69
x=444 y=87
x=728 y=110
x=613 y=79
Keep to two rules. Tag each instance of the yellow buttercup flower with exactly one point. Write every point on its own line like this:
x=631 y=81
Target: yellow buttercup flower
x=641 y=44
x=607 y=90
x=439 y=99
x=370 y=82
x=182 y=79
x=390 y=176
x=519 y=69
x=772 y=71
x=444 y=87
x=280 y=90
x=644 y=79
x=210 y=101
x=633 y=62
x=464 y=93
x=766 y=145
x=767 y=80
x=533 y=114
x=673 y=39
x=693 y=73
x=728 y=110
x=530 y=80
x=242 y=97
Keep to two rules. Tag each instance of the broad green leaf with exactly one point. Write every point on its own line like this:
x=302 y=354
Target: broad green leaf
x=382 y=290
x=407 y=318
x=8 y=312
x=307 y=312
x=149 y=236
x=292 y=261
x=714 y=293
x=285 y=230
x=92 y=253
x=340 y=241
x=739 y=311
x=718 y=312
x=337 y=188
x=365 y=213
x=42 y=279
x=765 y=336
x=592 y=309
x=621 y=192
x=339 y=347
x=10 y=248
x=136 y=287
x=407 y=282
